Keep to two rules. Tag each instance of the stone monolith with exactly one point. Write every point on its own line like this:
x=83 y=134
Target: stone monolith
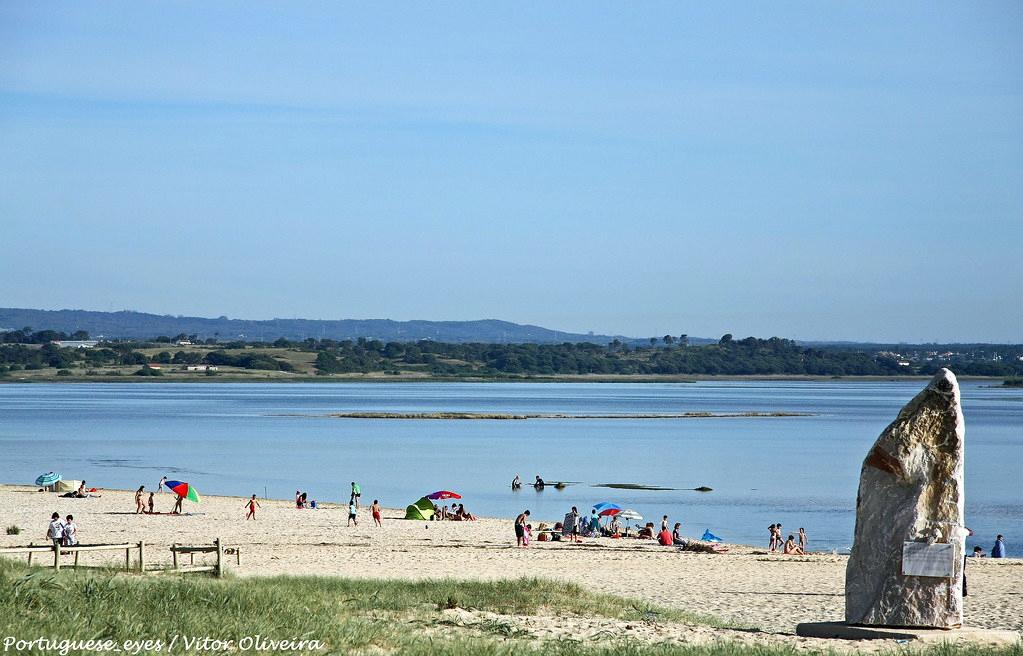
x=911 y=490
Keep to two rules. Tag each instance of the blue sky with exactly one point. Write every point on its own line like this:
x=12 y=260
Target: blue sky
x=817 y=170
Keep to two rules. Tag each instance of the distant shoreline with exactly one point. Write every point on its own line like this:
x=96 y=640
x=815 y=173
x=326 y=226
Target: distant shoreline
x=383 y=378
x=553 y=415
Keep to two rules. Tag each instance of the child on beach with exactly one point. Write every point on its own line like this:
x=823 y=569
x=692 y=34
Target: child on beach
x=55 y=530
x=520 y=527
x=802 y=538
x=70 y=538
x=251 y=504
x=375 y=508
x=356 y=494
x=159 y=488
x=771 y=544
x=353 y=511
x=527 y=535
x=152 y=503
x=139 y=507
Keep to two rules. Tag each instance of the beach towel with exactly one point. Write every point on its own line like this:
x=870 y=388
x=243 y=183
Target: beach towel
x=568 y=526
x=710 y=537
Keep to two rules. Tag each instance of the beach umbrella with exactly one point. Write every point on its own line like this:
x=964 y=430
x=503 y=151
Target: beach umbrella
x=48 y=479
x=630 y=515
x=184 y=490
x=607 y=509
x=443 y=494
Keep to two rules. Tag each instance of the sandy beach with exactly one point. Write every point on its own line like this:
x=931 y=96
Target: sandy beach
x=747 y=586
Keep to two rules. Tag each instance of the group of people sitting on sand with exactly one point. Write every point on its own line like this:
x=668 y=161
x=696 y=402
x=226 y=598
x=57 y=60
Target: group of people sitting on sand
x=788 y=546
x=457 y=513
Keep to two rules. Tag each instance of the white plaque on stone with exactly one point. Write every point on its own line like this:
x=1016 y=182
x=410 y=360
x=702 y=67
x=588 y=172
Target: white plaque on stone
x=923 y=559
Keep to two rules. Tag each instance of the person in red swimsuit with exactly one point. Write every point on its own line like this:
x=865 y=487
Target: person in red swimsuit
x=252 y=504
x=376 y=512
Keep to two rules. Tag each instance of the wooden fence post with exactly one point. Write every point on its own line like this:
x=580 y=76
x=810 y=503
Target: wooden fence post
x=76 y=559
x=30 y=544
x=220 y=557
x=127 y=559
x=174 y=554
x=56 y=557
x=142 y=557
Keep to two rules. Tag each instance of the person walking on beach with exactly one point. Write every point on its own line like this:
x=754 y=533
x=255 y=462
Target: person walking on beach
x=353 y=511
x=356 y=494
x=520 y=527
x=139 y=506
x=771 y=544
x=70 y=531
x=375 y=509
x=55 y=530
x=251 y=504
x=151 y=504
x=159 y=488
x=998 y=551
x=802 y=538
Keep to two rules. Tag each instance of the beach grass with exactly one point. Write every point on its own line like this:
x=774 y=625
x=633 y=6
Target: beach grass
x=349 y=616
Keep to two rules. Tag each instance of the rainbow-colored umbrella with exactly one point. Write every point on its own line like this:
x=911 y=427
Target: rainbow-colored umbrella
x=443 y=494
x=183 y=490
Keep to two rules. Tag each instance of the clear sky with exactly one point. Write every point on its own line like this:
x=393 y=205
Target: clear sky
x=817 y=170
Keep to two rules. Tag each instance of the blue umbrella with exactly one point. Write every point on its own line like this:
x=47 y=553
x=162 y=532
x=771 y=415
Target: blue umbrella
x=48 y=479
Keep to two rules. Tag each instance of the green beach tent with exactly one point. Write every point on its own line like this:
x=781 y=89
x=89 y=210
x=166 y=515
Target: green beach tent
x=422 y=509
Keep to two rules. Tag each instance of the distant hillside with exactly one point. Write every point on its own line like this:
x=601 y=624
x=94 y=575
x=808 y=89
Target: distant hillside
x=139 y=325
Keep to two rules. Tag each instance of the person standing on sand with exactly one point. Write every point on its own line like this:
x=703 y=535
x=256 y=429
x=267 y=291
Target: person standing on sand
x=251 y=504
x=55 y=530
x=520 y=527
x=375 y=509
x=177 y=505
x=802 y=539
x=356 y=493
x=159 y=488
x=151 y=504
x=771 y=543
x=139 y=506
x=353 y=511
x=70 y=531
x=664 y=523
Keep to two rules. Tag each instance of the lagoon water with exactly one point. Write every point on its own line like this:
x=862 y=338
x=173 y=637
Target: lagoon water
x=247 y=438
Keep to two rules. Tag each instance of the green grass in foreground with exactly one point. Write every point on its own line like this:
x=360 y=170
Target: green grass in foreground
x=348 y=616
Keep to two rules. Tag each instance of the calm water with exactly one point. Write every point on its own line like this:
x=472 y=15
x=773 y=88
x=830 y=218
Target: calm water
x=232 y=439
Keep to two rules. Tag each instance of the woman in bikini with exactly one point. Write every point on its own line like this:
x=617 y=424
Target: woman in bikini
x=139 y=507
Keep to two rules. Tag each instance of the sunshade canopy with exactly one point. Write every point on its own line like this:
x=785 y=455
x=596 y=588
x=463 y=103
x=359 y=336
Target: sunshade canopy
x=184 y=490
x=443 y=494
x=48 y=478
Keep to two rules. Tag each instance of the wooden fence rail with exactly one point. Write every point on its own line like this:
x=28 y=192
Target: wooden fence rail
x=79 y=548
x=217 y=547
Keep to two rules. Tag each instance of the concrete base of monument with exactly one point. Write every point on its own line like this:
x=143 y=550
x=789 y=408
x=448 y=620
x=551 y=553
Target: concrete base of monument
x=843 y=631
